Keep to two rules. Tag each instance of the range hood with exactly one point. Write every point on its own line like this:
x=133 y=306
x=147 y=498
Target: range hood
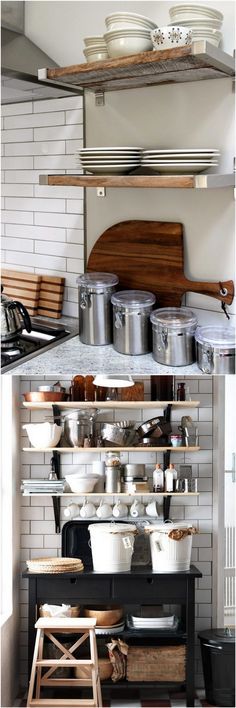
x=21 y=59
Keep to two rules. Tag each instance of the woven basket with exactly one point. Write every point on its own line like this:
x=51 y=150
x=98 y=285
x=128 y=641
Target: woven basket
x=104 y=670
x=72 y=612
x=164 y=663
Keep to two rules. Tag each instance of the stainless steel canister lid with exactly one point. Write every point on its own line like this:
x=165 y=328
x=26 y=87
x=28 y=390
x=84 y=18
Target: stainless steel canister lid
x=174 y=318
x=133 y=299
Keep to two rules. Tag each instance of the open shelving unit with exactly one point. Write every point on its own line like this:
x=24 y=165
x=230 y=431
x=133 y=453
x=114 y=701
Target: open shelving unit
x=197 y=62
x=145 y=448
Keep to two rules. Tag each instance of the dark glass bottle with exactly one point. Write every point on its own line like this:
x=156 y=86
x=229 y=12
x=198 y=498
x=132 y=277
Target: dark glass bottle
x=162 y=388
x=181 y=392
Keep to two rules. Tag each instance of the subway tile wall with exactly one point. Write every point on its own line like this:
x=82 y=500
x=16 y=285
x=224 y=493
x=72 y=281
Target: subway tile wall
x=42 y=226
x=38 y=536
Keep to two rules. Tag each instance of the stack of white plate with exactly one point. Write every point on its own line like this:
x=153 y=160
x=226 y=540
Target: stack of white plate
x=180 y=161
x=153 y=622
x=109 y=160
x=95 y=48
x=205 y=22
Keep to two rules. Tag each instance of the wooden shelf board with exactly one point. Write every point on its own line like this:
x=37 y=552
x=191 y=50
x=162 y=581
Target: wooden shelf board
x=112 y=494
x=109 y=405
x=196 y=62
x=154 y=181
x=110 y=449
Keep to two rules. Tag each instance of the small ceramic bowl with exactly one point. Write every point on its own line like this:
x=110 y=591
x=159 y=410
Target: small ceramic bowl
x=171 y=36
x=95 y=53
x=126 y=42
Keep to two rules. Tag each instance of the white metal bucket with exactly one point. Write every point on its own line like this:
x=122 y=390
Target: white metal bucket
x=167 y=554
x=112 y=546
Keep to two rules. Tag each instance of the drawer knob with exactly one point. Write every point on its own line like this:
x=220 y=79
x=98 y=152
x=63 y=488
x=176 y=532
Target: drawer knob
x=73 y=581
x=150 y=581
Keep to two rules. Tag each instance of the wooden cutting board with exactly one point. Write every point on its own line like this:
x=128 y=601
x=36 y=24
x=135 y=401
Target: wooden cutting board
x=149 y=255
x=24 y=287
x=51 y=296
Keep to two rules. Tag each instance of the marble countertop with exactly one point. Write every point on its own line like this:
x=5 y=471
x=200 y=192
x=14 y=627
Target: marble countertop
x=73 y=357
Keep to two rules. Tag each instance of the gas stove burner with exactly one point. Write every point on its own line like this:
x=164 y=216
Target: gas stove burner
x=12 y=352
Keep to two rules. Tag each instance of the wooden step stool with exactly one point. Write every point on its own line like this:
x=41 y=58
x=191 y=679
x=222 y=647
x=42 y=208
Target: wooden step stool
x=48 y=626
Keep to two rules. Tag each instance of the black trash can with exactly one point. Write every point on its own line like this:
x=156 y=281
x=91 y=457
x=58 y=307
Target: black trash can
x=218 y=659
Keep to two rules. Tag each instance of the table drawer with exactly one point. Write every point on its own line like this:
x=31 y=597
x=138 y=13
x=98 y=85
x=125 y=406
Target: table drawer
x=151 y=589
x=77 y=588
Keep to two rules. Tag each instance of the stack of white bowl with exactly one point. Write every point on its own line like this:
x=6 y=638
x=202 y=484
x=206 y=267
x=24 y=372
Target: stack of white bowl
x=95 y=48
x=205 y=22
x=127 y=34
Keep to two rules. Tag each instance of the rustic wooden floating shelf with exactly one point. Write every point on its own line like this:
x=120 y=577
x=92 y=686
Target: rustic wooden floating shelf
x=109 y=405
x=199 y=61
x=200 y=181
x=111 y=449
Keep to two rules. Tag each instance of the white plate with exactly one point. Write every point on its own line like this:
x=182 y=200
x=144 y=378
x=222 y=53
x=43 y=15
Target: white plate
x=111 y=169
x=176 y=151
x=100 y=163
x=109 y=149
x=113 y=630
x=178 y=168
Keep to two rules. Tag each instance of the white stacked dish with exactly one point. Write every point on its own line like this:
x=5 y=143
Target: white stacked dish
x=95 y=48
x=180 y=161
x=124 y=20
x=153 y=622
x=205 y=22
x=127 y=41
x=195 y=11
x=109 y=160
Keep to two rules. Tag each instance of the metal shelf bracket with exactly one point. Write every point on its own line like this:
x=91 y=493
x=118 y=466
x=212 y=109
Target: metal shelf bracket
x=101 y=191
x=99 y=98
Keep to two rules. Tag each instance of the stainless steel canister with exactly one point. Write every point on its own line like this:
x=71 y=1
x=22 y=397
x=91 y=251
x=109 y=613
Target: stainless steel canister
x=131 y=321
x=173 y=331
x=95 y=313
x=216 y=349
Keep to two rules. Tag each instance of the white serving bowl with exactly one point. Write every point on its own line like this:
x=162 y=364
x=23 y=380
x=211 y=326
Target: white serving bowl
x=94 y=39
x=196 y=10
x=199 y=36
x=170 y=36
x=43 y=434
x=121 y=43
x=81 y=485
x=95 y=54
x=125 y=20
x=204 y=24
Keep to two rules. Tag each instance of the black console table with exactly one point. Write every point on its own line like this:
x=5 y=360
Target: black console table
x=140 y=586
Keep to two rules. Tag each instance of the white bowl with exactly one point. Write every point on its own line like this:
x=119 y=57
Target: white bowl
x=99 y=54
x=123 y=43
x=197 y=10
x=204 y=24
x=128 y=19
x=170 y=36
x=81 y=485
x=43 y=434
x=94 y=39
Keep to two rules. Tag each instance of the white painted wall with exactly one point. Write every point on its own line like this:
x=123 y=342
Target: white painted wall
x=197 y=114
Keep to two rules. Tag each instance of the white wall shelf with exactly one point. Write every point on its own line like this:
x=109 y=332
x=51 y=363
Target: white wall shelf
x=111 y=449
x=109 y=405
x=112 y=494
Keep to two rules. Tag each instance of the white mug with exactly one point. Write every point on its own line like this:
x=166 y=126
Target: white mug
x=136 y=509
x=104 y=510
x=120 y=510
x=71 y=511
x=151 y=509
x=87 y=510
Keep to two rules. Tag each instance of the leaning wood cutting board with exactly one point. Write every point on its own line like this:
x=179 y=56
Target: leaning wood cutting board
x=51 y=296
x=149 y=255
x=24 y=287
